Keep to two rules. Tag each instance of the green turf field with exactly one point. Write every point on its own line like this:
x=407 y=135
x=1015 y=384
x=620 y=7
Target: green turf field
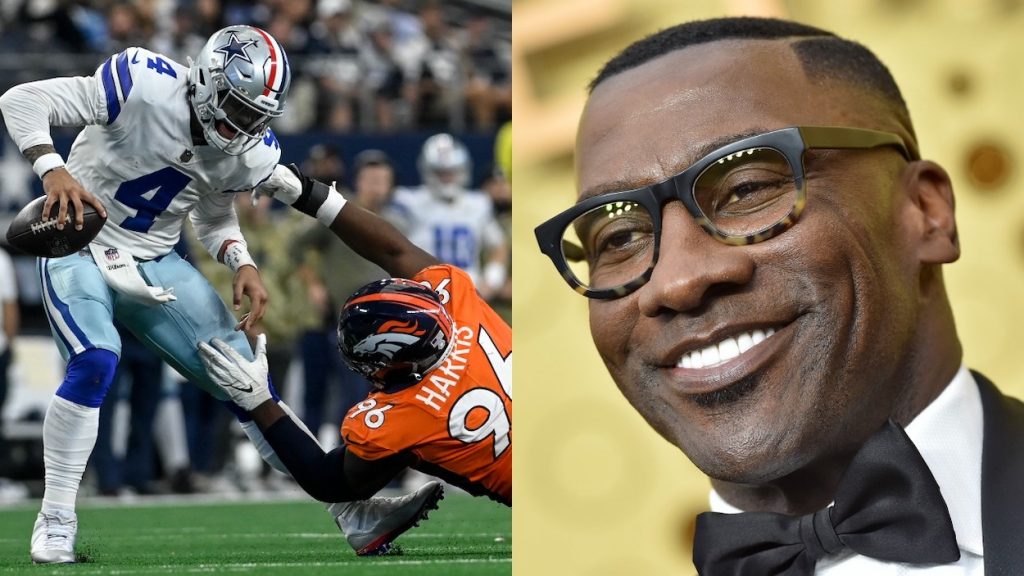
x=465 y=536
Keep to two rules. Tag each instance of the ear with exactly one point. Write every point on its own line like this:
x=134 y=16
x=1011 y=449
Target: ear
x=931 y=195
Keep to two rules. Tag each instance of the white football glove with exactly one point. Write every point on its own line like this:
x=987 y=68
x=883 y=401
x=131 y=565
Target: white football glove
x=244 y=381
x=283 y=185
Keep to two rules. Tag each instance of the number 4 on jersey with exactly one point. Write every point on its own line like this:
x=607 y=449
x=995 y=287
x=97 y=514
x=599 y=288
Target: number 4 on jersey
x=164 y=184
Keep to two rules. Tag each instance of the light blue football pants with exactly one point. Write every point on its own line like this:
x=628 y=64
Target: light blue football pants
x=81 y=308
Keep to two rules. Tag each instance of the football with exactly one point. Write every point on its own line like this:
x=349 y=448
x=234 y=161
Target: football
x=31 y=235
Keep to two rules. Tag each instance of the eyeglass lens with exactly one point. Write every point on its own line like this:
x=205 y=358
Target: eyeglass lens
x=739 y=194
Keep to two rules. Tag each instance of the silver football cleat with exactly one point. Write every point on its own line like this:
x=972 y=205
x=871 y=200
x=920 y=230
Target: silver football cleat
x=372 y=525
x=53 y=537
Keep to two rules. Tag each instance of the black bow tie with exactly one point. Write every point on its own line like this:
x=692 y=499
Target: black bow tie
x=887 y=507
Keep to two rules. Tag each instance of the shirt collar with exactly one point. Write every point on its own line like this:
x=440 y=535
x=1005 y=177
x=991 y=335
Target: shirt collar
x=949 y=434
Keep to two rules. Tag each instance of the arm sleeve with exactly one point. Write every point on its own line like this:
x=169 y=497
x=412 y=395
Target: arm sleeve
x=335 y=476
x=31 y=109
x=215 y=222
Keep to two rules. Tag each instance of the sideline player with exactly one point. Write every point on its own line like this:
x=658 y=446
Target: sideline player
x=161 y=141
x=451 y=222
x=439 y=357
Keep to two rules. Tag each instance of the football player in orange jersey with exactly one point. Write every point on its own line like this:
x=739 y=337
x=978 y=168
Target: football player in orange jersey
x=439 y=357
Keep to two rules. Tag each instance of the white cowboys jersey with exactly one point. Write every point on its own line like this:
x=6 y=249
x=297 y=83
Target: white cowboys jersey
x=453 y=232
x=136 y=155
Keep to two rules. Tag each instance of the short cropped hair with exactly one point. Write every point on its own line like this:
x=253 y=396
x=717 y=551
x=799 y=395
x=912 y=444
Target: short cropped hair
x=821 y=53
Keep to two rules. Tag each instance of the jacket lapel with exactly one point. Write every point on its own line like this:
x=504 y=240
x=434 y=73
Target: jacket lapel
x=1002 y=481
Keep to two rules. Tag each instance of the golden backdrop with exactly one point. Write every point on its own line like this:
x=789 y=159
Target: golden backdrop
x=599 y=493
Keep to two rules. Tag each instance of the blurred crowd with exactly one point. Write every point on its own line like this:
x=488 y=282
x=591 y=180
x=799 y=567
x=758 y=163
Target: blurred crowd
x=390 y=68
x=360 y=65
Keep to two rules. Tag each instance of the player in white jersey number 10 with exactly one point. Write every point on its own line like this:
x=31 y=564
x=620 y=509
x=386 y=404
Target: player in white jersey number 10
x=160 y=142
x=454 y=224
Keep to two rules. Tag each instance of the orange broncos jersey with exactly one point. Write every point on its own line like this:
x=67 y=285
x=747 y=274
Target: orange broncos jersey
x=458 y=419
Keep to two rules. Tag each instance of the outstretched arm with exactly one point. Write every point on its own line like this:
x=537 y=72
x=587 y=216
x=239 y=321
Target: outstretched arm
x=337 y=476
x=371 y=236
x=377 y=240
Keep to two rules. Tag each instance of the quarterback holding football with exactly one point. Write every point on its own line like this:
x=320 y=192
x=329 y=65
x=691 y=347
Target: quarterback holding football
x=161 y=142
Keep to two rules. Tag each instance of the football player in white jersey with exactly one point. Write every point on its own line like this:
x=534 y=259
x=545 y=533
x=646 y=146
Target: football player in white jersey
x=161 y=142
x=452 y=223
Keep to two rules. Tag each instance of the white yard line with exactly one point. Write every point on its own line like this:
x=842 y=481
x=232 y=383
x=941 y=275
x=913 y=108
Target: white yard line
x=248 y=566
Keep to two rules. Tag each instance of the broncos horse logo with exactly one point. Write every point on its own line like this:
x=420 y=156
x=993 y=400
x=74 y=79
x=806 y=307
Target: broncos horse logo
x=387 y=344
x=391 y=337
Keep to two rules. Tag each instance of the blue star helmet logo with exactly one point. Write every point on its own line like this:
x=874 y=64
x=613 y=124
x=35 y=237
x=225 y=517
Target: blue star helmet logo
x=235 y=48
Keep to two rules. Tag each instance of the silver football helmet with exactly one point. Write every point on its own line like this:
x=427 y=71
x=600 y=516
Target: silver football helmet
x=445 y=166
x=237 y=84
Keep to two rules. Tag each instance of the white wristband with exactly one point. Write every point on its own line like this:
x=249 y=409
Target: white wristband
x=47 y=162
x=329 y=210
x=237 y=255
x=495 y=275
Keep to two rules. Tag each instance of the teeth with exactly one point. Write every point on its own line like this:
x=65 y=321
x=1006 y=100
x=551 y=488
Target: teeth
x=728 y=349
x=725 y=350
x=745 y=342
x=709 y=355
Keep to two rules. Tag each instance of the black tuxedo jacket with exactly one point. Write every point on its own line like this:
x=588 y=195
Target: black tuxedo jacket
x=1002 y=481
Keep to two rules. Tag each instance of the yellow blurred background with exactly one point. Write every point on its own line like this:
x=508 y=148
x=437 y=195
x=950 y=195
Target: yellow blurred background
x=598 y=492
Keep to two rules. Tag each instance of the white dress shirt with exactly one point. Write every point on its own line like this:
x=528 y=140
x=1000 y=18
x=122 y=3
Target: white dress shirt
x=949 y=434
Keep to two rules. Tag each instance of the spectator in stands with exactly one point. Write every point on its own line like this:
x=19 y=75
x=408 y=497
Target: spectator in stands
x=338 y=42
x=325 y=160
x=293 y=35
x=383 y=78
x=126 y=28
x=289 y=26
x=209 y=17
x=438 y=88
x=405 y=26
x=49 y=25
x=332 y=271
x=488 y=87
x=182 y=40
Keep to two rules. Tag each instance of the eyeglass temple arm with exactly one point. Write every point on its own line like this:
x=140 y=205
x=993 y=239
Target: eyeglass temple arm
x=834 y=137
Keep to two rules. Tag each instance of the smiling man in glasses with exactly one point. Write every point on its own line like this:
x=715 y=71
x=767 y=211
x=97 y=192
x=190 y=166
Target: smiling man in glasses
x=762 y=249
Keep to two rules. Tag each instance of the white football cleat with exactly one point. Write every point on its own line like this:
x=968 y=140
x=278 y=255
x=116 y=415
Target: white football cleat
x=53 y=537
x=371 y=525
